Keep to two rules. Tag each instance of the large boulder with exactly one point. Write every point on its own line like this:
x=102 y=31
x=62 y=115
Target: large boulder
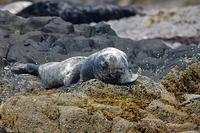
x=78 y=13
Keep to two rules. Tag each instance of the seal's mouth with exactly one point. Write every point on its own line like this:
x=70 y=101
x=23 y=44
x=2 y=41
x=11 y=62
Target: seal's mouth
x=128 y=78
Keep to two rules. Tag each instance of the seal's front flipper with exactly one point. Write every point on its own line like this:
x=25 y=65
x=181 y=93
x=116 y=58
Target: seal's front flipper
x=68 y=79
x=68 y=82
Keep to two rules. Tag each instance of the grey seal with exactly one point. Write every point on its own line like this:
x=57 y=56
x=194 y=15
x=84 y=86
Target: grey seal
x=109 y=65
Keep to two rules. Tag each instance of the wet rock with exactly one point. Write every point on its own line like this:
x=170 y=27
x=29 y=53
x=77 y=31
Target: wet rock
x=77 y=13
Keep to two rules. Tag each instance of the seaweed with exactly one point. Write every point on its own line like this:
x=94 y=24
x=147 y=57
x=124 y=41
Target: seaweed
x=183 y=81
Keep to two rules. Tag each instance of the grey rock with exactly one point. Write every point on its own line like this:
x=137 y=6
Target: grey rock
x=163 y=23
x=77 y=13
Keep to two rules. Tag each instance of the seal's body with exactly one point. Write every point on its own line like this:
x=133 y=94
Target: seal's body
x=109 y=65
x=67 y=72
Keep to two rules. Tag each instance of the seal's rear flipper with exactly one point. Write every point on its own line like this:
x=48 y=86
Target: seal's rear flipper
x=20 y=68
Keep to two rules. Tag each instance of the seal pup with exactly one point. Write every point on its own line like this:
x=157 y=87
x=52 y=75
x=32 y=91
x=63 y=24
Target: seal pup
x=109 y=65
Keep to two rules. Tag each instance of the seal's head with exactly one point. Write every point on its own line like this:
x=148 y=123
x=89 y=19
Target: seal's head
x=111 y=66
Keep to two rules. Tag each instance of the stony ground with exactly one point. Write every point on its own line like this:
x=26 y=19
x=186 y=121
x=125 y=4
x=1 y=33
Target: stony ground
x=171 y=105
x=165 y=98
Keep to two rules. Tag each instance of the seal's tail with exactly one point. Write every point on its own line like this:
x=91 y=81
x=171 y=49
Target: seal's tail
x=20 y=68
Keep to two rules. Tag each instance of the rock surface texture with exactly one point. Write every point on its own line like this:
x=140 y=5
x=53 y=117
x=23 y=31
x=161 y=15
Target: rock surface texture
x=173 y=23
x=164 y=99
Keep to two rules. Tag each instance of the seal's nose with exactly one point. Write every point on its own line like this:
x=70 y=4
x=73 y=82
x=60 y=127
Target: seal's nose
x=132 y=79
x=128 y=77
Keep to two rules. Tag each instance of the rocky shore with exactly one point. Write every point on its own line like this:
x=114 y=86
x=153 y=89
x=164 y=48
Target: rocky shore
x=162 y=46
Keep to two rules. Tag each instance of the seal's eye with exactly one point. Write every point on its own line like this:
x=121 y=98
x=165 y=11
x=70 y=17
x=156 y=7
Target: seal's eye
x=121 y=70
x=104 y=65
